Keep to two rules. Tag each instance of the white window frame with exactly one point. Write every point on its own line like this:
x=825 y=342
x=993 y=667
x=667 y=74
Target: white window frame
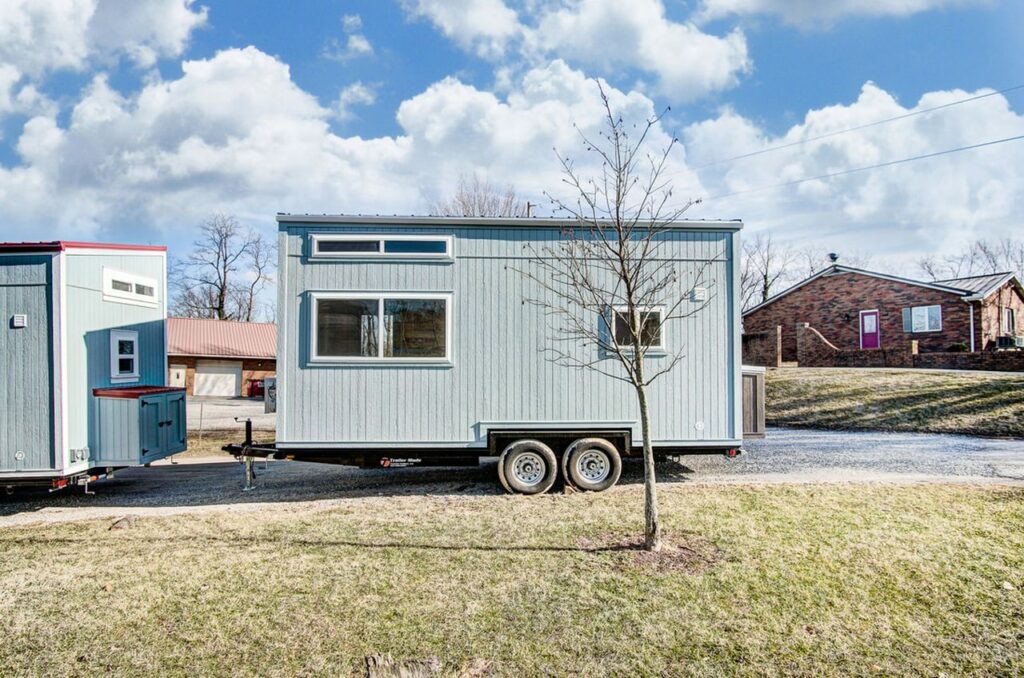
x=316 y=238
x=122 y=297
x=117 y=336
x=924 y=309
x=660 y=348
x=1009 y=321
x=379 y=359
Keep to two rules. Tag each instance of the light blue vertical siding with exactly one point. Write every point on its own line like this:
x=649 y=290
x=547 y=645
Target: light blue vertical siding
x=90 y=318
x=26 y=365
x=499 y=372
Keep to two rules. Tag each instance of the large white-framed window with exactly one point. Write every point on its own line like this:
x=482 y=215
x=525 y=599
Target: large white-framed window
x=922 y=319
x=124 y=356
x=1009 y=321
x=381 y=327
x=376 y=246
x=129 y=288
x=652 y=328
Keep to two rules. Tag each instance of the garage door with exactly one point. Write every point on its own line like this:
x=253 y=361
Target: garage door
x=218 y=378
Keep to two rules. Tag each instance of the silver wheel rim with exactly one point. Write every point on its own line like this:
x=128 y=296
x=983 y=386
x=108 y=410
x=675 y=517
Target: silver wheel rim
x=593 y=466
x=529 y=468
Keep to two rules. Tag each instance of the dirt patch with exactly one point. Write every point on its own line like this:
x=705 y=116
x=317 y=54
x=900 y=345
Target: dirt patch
x=687 y=553
x=384 y=666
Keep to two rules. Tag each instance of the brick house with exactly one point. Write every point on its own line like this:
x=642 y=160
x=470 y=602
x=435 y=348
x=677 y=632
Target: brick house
x=219 y=357
x=856 y=309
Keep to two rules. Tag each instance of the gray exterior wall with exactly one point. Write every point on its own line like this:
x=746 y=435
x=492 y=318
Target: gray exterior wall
x=90 y=318
x=26 y=363
x=498 y=373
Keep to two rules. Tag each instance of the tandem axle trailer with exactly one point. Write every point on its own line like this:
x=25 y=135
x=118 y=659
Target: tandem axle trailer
x=529 y=461
x=407 y=341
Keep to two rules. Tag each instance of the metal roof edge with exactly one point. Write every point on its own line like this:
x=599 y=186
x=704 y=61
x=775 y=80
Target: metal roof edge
x=464 y=222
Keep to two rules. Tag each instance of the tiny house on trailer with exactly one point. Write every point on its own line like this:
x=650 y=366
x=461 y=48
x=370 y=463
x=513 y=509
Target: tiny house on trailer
x=406 y=341
x=83 y=362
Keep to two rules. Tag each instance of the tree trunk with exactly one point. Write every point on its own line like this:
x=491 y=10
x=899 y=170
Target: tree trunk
x=652 y=525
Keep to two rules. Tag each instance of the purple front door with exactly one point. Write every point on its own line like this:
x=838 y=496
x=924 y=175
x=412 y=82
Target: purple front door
x=870 y=337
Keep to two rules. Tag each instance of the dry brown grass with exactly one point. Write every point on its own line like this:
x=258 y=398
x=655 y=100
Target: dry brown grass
x=837 y=580
x=897 y=400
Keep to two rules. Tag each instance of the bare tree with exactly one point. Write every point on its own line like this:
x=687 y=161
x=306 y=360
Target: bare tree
x=981 y=257
x=608 y=286
x=224 y=274
x=475 y=197
x=766 y=265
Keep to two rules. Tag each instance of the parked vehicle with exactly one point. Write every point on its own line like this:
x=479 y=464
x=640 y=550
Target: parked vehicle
x=406 y=341
x=83 y=362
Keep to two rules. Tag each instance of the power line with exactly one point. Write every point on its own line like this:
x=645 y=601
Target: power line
x=869 y=167
x=854 y=129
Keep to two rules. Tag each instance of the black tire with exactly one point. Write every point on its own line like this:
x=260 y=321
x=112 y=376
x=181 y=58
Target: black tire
x=592 y=464
x=528 y=467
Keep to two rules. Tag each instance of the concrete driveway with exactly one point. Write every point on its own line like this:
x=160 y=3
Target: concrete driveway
x=218 y=414
x=786 y=456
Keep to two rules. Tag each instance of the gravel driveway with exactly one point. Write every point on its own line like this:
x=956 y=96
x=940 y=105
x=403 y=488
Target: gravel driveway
x=218 y=414
x=787 y=455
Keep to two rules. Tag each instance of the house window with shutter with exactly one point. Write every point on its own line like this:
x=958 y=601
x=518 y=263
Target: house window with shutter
x=922 y=319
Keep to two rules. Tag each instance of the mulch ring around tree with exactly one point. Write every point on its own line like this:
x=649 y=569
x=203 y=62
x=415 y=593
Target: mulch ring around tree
x=689 y=553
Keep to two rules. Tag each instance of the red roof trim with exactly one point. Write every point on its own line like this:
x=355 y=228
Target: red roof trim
x=61 y=245
x=133 y=392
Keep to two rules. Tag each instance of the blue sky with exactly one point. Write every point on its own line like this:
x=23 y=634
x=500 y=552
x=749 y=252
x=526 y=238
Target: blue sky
x=132 y=120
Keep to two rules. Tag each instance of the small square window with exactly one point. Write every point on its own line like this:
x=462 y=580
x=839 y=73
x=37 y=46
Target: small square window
x=650 y=328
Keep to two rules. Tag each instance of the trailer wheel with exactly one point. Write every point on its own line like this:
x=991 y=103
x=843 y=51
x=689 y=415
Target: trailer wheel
x=592 y=464
x=528 y=467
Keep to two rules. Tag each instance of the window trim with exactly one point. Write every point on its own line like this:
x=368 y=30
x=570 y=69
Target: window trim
x=122 y=297
x=650 y=350
x=317 y=359
x=925 y=309
x=316 y=238
x=117 y=336
x=1009 y=321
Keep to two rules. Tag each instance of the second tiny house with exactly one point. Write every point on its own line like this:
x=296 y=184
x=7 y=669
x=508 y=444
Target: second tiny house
x=407 y=340
x=83 y=362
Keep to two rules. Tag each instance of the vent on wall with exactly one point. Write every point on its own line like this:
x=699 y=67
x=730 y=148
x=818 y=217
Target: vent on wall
x=19 y=320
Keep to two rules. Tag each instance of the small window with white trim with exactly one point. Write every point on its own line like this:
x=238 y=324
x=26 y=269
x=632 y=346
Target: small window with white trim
x=129 y=288
x=124 y=356
x=351 y=245
x=398 y=327
x=922 y=319
x=1009 y=321
x=650 y=323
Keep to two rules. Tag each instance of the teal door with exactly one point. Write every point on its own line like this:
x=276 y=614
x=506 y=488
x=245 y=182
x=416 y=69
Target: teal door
x=151 y=428
x=162 y=425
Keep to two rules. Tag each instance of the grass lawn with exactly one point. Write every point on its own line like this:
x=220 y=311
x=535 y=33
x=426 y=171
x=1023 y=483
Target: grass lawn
x=781 y=580
x=897 y=400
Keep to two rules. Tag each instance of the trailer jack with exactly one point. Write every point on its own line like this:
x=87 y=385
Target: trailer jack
x=247 y=459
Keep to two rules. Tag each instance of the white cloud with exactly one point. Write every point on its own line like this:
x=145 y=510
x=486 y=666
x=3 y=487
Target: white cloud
x=235 y=134
x=924 y=206
x=482 y=26
x=46 y=35
x=351 y=23
x=356 y=94
x=807 y=13
x=610 y=34
x=355 y=44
